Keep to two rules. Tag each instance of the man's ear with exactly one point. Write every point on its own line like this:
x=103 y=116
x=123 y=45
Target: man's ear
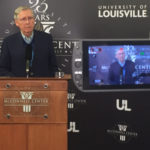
x=16 y=22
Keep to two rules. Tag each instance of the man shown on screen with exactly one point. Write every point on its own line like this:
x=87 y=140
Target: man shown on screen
x=121 y=71
x=28 y=52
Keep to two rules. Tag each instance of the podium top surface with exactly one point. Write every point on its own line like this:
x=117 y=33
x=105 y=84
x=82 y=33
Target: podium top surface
x=66 y=77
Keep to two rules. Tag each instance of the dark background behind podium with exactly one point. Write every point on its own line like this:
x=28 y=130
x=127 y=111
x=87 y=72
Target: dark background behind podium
x=95 y=120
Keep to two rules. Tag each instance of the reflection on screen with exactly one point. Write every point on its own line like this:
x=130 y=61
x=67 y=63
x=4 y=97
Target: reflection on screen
x=106 y=69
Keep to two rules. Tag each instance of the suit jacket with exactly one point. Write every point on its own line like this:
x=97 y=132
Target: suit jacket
x=13 y=61
x=115 y=72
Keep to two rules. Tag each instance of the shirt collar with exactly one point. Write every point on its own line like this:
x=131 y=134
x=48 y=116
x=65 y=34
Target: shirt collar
x=121 y=64
x=28 y=40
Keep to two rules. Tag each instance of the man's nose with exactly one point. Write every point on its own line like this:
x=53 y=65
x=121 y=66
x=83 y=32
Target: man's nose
x=27 y=20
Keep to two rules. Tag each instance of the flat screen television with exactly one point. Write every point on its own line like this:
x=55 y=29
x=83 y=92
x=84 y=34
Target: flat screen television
x=115 y=65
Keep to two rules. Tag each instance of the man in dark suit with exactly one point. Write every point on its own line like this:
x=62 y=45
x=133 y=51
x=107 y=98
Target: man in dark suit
x=30 y=43
x=121 y=71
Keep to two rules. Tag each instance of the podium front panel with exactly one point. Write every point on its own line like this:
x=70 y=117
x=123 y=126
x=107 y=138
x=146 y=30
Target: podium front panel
x=33 y=114
x=33 y=101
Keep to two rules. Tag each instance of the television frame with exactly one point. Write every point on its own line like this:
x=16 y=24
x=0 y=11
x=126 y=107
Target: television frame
x=85 y=58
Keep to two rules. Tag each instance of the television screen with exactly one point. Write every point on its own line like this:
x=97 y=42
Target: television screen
x=116 y=64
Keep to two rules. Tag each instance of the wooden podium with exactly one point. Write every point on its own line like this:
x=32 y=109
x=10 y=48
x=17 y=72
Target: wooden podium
x=33 y=113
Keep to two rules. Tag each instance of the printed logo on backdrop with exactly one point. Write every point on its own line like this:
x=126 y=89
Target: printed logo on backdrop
x=63 y=50
x=44 y=21
x=75 y=102
x=122 y=132
x=122 y=105
x=73 y=127
x=123 y=11
x=47 y=20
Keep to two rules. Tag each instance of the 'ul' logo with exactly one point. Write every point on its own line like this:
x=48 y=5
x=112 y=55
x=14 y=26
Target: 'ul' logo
x=122 y=105
x=72 y=127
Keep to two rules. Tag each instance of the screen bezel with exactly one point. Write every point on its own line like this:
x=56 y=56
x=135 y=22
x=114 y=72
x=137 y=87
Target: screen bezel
x=87 y=86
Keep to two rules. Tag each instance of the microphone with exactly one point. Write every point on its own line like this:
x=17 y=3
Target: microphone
x=121 y=75
x=28 y=57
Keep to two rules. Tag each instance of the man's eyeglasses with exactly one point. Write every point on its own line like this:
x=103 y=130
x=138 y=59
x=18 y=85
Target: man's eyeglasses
x=121 y=54
x=26 y=19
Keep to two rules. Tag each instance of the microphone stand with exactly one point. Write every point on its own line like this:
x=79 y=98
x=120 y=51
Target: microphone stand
x=121 y=75
x=28 y=57
x=27 y=67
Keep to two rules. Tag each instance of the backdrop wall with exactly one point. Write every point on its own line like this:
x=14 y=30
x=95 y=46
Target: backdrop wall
x=112 y=120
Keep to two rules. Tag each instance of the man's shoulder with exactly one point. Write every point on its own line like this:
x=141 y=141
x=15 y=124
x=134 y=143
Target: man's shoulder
x=12 y=37
x=115 y=63
x=129 y=62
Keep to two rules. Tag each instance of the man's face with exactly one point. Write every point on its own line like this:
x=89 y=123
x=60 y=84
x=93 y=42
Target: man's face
x=25 y=22
x=120 y=55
